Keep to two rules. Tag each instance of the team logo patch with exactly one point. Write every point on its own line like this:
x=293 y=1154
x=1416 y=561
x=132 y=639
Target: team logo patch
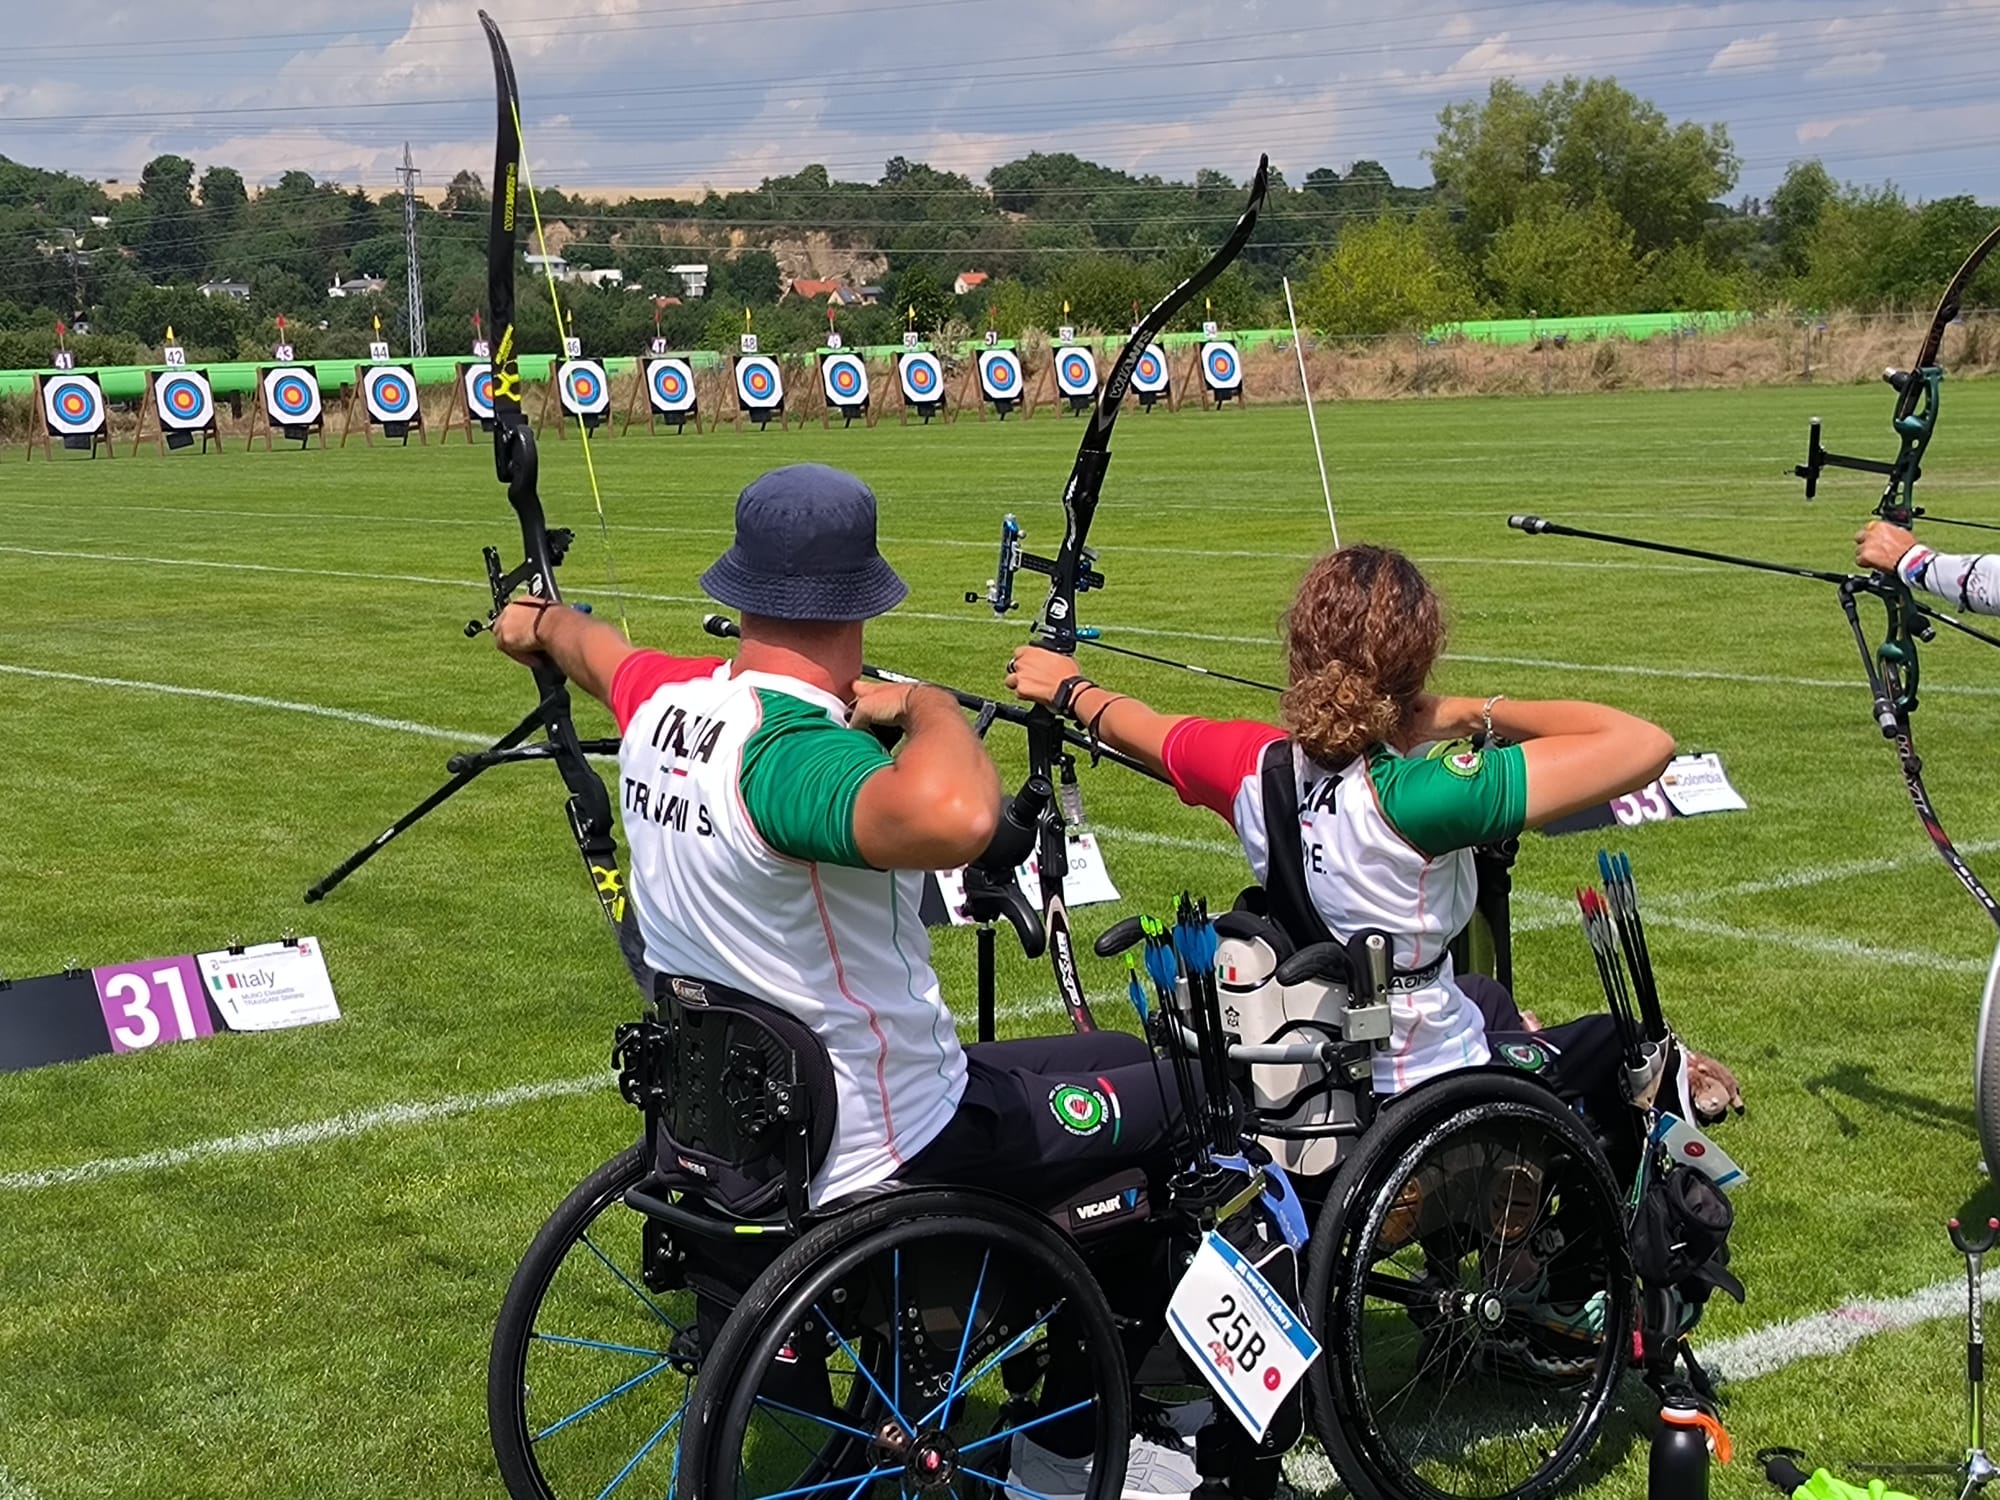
x=1080 y=1111
x=1463 y=763
x=1529 y=1057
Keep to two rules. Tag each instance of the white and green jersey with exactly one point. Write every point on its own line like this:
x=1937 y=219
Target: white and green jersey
x=738 y=793
x=1386 y=842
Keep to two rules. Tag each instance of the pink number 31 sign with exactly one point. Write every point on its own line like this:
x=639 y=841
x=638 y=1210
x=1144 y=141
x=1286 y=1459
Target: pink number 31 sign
x=152 y=1003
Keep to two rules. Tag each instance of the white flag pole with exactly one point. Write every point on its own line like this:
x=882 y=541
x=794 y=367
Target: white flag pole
x=1305 y=386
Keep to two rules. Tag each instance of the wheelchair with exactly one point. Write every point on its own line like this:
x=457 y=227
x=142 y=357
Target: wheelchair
x=686 y=1325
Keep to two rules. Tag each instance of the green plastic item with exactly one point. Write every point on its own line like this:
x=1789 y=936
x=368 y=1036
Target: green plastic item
x=1824 y=1486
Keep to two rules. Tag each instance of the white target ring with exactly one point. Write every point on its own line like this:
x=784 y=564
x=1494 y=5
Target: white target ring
x=1076 y=371
x=479 y=391
x=291 y=396
x=1000 y=374
x=390 y=392
x=74 y=405
x=1150 y=375
x=844 y=378
x=1221 y=369
x=921 y=377
x=184 y=401
x=670 y=386
x=584 y=390
x=759 y=386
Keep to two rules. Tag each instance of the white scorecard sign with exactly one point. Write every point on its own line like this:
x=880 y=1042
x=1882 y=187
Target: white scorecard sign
x=1236 y=1328
x=270 y=986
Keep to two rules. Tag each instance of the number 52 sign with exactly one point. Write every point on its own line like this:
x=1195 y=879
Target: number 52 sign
x=152 y=1003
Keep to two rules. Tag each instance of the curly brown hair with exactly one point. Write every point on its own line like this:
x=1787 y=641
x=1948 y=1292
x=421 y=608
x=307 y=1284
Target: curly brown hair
x=1362 y=634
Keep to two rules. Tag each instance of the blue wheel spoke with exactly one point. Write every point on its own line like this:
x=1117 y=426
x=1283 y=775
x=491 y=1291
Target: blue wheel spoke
x=965 y=1335
x=611 y=1395
x=987 y=1366
x=630 y=1286
x=1024 y=1426
x=866 y=1373
x=813 y=1416
x=575 y=1343
x=635 y=1460
x=832 y=1484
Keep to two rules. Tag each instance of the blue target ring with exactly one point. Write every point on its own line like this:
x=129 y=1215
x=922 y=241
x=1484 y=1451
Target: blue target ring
x=391 y=393
x=757 y=381
x=75 y=402
x=291 y=395
x=184 y=398
x=1000 y=373
x=1220 y=364
x=921 y=377
x=846 y=379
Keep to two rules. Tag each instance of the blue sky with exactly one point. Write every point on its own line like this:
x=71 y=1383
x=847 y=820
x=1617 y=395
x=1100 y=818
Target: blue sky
x=638 y=93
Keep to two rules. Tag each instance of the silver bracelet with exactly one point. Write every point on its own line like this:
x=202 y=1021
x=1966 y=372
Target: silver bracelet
x=1486 y=713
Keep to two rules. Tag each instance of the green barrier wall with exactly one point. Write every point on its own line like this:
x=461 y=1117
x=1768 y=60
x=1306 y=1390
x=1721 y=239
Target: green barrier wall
x=1623 y=325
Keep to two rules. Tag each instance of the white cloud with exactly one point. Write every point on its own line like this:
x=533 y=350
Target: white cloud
x=1747 y=54
x=1850 y=65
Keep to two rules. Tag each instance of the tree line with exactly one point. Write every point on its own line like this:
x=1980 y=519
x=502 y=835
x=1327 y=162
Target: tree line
x=1576 y=198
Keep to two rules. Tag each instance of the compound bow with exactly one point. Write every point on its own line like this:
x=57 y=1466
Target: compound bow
x=1891 y=667
x=1070 y=572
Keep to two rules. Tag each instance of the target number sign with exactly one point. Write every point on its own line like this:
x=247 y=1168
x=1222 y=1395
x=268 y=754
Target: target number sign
x=378 y=351
x=833 y=339
x=390 y=393
x=758 y=384
x=1000 y=374
x=1236 y=1328
x=153 y=1003
x=1150 y=374
x=584 y=390
x=1220 y=367
x=175 y=356
x=63 y=359
x=479 y=391
x=992 y=337
x=657 y=346
x=184 y=401
x=1076 y=371
x=1209 y=328
x=922 y=378
x=573 y=347
x=910 y=339
x=282 y=353
x=747 y=344
x=291 y=397
x=482 y=349
x=73 y=405
x=845 y=380
x=670 y=385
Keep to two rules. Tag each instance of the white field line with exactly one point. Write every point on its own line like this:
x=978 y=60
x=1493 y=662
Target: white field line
x=15 y=1489
x=1545 y=664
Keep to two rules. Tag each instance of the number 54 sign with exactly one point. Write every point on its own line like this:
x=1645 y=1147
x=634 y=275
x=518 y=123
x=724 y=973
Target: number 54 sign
x=152 y=1003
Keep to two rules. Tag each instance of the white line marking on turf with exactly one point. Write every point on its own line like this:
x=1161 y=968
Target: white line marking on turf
x=1763 y=1351
x=310 y=1133
x=252 y=700
x=15 y=1489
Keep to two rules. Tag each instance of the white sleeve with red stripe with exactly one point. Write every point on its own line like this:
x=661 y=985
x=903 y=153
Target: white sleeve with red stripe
x=1216 y=764
x=644 y=673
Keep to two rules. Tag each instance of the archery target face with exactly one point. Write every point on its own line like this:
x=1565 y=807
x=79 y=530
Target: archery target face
x=1076 y=372
x=759 y=386
x=1000 y=374
x=73 y=404
x=585 y=392
x=184 y=401
x=391 y=393
x=922 y=378
x=1220 y=368
x=479 y=391
x=1149 y=375
x=670 y=385
x=291 y=397
x=844 y=378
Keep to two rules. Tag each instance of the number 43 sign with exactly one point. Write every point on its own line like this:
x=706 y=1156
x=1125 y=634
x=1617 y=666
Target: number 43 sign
x=1232 y=1323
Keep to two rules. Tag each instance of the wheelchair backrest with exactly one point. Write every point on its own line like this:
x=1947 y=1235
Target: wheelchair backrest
x=738 y=1095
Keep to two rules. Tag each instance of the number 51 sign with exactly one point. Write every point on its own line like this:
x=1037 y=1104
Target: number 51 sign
x=152 y=1003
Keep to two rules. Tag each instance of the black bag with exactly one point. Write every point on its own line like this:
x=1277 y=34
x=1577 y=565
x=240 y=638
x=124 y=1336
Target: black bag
x=1680 y=1236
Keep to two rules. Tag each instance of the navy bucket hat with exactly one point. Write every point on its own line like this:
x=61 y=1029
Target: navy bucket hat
x=805 y=550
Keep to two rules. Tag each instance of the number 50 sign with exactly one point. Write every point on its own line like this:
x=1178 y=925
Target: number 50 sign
x=150 y=1004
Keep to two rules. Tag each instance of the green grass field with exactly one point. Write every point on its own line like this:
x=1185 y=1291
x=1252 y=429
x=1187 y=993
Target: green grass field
x=310 y=1317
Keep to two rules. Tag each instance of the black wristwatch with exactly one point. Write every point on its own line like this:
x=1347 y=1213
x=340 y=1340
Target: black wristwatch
x=1065 y=695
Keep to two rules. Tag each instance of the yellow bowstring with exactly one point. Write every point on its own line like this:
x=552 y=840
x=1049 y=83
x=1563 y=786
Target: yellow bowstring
x=582 y=427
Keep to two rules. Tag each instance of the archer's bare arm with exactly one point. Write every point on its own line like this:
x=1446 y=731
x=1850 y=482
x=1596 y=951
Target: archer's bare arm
x=586 y=649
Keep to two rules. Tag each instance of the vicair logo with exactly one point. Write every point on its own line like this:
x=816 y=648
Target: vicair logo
x=1104 y=1208
x=248 y=979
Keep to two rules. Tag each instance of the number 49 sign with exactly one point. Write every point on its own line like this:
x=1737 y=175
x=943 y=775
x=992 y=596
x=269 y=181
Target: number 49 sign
x=152 y=1003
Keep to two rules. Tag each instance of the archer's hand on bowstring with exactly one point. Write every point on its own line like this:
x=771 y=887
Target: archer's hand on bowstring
x=1113 y=719
x=587 y=650
x=1881 y=545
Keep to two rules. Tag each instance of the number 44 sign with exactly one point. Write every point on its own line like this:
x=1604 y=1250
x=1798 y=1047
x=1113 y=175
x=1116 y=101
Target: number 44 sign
x=1246 y=1342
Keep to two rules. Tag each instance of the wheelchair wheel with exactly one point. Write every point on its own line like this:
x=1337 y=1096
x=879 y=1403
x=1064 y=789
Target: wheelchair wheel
x=1986 y=1070
x=926 y=1343
x=594 y=1350
x=1471 y=1281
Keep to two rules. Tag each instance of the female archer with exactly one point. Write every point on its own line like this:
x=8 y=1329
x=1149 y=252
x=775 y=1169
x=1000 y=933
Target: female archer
x=1391 y=796
x=1972 y=583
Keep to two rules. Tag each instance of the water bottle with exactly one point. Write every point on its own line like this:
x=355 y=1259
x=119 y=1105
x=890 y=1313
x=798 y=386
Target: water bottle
x=1678 y=1468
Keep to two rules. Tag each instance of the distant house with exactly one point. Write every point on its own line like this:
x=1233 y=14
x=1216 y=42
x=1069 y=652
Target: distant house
x=547 y=265
x=693 y=277
x=810 y=290
x=872 y=294
x=235 y=291
x=610 y=276
x=968 y=281
x=358 y=286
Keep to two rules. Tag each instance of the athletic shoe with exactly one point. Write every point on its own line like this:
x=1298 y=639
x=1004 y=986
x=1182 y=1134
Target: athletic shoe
x=1561 y=1341
x=1152 y=1472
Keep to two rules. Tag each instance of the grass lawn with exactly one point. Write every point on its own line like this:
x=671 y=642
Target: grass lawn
x=312 y=1319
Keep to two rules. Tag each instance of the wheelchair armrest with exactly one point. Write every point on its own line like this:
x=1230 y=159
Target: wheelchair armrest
x=990 y=898
x=1116 y=938
x=1328 y=961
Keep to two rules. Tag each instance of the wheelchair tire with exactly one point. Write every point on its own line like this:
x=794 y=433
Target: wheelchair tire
x=940 y=1351
x=1986 y=1070
x=1432 y=1295
x=589 y=1372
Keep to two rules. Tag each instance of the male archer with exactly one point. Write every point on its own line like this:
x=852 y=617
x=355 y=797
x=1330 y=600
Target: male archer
x=1970 y=582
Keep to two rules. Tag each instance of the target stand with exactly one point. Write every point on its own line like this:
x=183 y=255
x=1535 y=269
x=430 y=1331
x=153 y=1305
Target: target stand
x=844 y=388
x=71 y=407
x=577 y=388
x=760 y=390
x=387 y=396
x=920 y=382
x=994 y=378
x=1073 y=368
x=1219 y=365
x=471 y=402
x=666 y=385
x=288 y=406
x=182 y=407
